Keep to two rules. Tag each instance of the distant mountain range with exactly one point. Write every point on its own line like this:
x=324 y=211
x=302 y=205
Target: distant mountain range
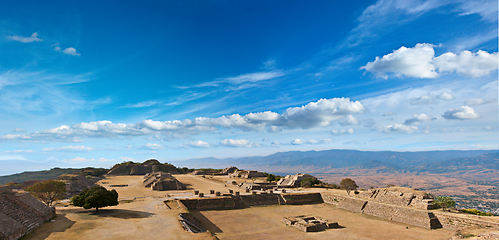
x=322 y=161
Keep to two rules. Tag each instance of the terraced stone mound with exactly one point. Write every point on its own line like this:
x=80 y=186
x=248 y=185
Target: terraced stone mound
x=308 y=223
x=20 y=213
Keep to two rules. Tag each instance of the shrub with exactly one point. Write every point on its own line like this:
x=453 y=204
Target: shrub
x=48 y=191
x=95 y=197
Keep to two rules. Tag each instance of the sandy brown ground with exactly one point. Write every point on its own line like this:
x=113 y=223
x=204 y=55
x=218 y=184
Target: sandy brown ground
x=144 y=218
x=265 y=223
x=143 y=215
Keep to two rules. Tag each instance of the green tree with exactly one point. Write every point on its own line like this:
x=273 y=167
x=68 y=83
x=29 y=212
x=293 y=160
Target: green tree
x=445 y=202
x=270 y=177
x=48 y=191
x=348 y=185
x=309 y=182
x=95 y=197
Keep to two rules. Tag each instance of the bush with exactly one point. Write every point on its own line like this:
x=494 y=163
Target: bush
x=309 y=182
x=476 y=212
x=95 y=197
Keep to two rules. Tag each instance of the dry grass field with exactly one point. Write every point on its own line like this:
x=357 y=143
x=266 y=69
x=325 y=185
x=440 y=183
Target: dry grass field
x=142 y=214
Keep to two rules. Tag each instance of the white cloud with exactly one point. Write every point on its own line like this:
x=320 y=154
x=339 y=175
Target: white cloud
x=255 y=77
x=349 y=120
x=342 y=131
x=467 y=63
x=298 y=142
x=487 y=9
x=238 y=143
x=18 y=130
x=153 y=146
x=420 y=62
x=71 y=51
x=310 y=141
x=445 y=96
x=56 y=47
x=32 y=38
x=314 y=114
x=463 y=112
x=478 y=101
x=68 y=148
x=397 y=128
x=411 y=62
x=198 y=144
x=417 y=119
x=140 y=104
x=431 y=98
x=19 y=151
x=389 y=113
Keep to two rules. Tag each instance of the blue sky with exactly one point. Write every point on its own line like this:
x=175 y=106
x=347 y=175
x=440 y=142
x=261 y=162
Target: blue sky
x=94 y=83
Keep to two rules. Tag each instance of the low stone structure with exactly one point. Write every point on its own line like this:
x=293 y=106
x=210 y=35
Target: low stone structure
x=161 y=181
x=400 y=196
x=20 y=213
x=291 y=181
x=198 y=172
x=307 y=223
x=257 y=186
x=228 y=170
x=301 y=198
x=246 y=174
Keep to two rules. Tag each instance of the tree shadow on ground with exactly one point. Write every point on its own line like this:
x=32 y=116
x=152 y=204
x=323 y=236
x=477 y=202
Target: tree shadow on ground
x=118 y=213
x=206 y=223
x=58 y=224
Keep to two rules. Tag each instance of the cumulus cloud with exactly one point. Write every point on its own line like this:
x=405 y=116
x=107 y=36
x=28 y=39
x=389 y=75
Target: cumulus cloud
x=314 y=114
x=71 y=51
x=417 y=119
x=467 y=63
x=153 y=146
x=397 y=128
x=18 y=130
x=478 y=101
x=445 y=96
x=238 y=143
x=68 y=148
x=349 y=120
x=198 y=144
x=32 y=38
x=342 y=131
x=461 y=113
x=420 y=62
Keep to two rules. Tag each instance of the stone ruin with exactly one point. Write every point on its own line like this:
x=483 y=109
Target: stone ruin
x=246 y=174
x=291 y=181
x=20 y=213
x=401 y=196
x=257 y=186
x=308 y=223
x=190 y=223
x=198 y=172
x=228 y=170
x=162 y=181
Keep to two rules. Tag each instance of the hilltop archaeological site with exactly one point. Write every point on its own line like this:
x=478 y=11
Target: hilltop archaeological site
x=157 y=201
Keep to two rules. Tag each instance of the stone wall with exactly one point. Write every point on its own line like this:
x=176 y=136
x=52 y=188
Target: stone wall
x=352 y=204
x=260 y=199
x=395 y=213
x=400 y=196
x=332 y=198
x=21 y=213
x=302 y=198
x=214 y=203
x=456 y=222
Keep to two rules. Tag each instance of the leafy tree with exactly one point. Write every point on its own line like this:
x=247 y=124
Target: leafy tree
x=270 y=177
x=95 y=197
x=48 y=191
x=309 y=182
x=348 y=185
x=445 y=202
